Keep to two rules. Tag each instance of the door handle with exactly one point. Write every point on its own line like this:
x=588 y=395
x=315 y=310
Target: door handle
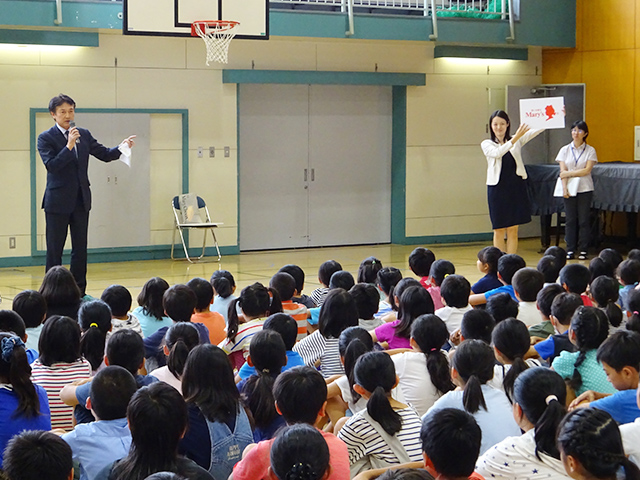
x=313 y=174
x=305 y=174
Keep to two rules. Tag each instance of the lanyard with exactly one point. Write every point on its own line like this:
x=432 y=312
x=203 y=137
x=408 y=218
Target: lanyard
x=573 y=152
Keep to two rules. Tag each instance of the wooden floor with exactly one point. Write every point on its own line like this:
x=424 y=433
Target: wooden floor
x=251 y=267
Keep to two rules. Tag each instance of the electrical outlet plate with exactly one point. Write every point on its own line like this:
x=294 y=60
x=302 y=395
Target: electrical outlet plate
x=12 y=242
x=212 y=152
x=200 y=152
x=227 y=151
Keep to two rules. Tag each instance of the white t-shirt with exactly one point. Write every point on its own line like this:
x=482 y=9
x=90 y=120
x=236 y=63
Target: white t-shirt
x=499 y=371
x=452 y=316
x=345 y=392
x=415 y=381
x=529 y=314
x=631 y=440
x=576 y=159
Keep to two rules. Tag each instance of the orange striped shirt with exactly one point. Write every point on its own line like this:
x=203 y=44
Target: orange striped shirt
x=299 y=313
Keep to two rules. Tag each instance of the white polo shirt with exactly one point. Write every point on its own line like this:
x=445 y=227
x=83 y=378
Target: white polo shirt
x=576 y=159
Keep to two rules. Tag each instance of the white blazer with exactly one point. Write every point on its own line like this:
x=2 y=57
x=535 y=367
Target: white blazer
x=494 y=152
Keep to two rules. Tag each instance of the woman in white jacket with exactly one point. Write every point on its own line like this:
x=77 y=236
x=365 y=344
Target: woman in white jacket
x=506 y=175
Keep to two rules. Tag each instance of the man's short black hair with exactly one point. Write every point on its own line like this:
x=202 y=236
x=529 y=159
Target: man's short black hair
x=501 y=306
x=477 y=324
x=285 y=325
x=564 y=305
x=179 y=303
x=125 y=348
x=118 y=298
x=111 y=391
x=549 y=267
x=36 y=455
x=576 y=277
x=203 y=291
x=58 y=100
x=284 y=284
x=508 y=265
x=367 y=298
x=300 y=393
x=622 y=349
x=31 y=306
x=527 y=282
x=297 y=273
x=327 y=269
x=420 y=261
x=455 y=290
x=545 y=298
x=451 y=439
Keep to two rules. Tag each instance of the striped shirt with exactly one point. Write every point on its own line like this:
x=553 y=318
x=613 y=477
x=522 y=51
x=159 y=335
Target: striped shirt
x=318 y=295
x=299 y=313
x=315 y=347
x=243 y=337
x=363 y=441
x=53 y=379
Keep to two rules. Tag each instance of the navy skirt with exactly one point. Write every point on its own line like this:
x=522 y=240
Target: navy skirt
x=508 y=200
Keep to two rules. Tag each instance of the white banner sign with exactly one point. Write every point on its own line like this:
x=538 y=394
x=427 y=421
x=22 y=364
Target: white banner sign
x=542 y=112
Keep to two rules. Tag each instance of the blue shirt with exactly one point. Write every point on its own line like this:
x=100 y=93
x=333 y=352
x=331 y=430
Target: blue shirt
x=315 y=316
x=505 y=288
x=293 y=360
x=622 y=406
x=148 y=323
x=95 y=445
x=221 y=305
x=489 y=282
x=593 y=376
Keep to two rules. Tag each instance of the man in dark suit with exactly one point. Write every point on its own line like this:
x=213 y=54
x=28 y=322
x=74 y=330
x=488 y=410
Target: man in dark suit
x=65 y=151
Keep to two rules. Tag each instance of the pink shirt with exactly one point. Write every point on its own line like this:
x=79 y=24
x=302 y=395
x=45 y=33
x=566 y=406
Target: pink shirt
x=436 y=297
x=387 y=333
x=255 y=465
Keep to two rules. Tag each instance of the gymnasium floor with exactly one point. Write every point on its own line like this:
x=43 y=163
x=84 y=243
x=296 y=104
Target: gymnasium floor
x=251 y=267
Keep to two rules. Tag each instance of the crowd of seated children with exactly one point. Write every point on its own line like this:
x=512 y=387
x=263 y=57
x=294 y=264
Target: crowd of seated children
x=367 y=402
x=119 y=300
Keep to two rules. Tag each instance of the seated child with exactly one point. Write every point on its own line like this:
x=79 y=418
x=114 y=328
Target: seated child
x=35 y=455
x=300 y=452
x=488 y=264
x=575 y=278
x=508 y=265
x=298 y=275
x=604 y=292
x=325 y=271
x=439 y=271
x=367 y=301
x=502 y=306
x=94 y=317
x=420 y=261
x=287 y=327
x=340 y=279
x=285 y=285
x=634 y=254
x=214 y=321
x=150 y=312
x=454 y=292
x=119 y=300
x=268 y=354
x=472 y=368
x=582 y=370
x=549 y=267
x=633 y=315
x=10 y=321
x=620 y=358
x=544 y=299
x=612 y=257
x=32 y=308
x=384 y=434
x=97 y=444
x=124 y=349
x=368 y=270
x=562 y=309
x=300 y=397
x=386 y=280
x=179 y=340
x=477 y=324
x=415 y=301
x=224 y=287
x=560 y=254
x=598 y=267
x=628 y=273
x=527 y=282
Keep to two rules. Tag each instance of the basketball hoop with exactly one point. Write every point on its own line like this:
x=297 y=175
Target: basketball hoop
x=217 y=35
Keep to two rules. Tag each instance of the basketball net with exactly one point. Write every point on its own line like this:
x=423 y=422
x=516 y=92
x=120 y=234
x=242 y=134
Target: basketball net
x=217 y=35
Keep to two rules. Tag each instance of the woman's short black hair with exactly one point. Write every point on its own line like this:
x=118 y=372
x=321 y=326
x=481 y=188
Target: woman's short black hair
x=581 y=125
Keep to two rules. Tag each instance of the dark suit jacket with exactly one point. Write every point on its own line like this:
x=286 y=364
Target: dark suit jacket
x=66 y=173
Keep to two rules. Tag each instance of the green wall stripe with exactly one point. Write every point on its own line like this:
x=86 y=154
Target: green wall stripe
x=48 y=37
x=302 y=77
x=398 y=164
x=453 y=238
x=463 y=51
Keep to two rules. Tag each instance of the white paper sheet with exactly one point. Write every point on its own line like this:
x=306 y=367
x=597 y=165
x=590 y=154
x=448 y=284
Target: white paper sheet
x=572 y=186
x=126 y=154
x=542 y=112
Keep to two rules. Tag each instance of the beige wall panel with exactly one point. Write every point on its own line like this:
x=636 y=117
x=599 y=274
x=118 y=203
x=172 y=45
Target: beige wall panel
x=15 y=193
x=166 y=182
x=19 y=55
x=608 y=24
x=23 y=246
x=449 y=110
x=501 y=81
x=135 y=51
x=533 y=66
x=165 y=132
x=459 y=225
x=273 y=54
x=102 y=56
x=33 y=87
x=460 y=66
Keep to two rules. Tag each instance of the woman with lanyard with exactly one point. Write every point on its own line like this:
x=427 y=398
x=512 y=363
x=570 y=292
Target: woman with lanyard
x=576 y=162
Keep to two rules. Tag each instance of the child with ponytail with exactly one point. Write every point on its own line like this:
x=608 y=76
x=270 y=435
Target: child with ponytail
x=539 y=396
x=94 y=318
x=591 y=447
x=633 y=315
x=604 y=292
x=224 y=286
x=386 y=280
x=256 y=302
x=300 y=452
x=511 y=342
x=386 y=432
x=23 y=405
x=424 y=372
x=581 y=369
x=472 y=368
x=179 y=340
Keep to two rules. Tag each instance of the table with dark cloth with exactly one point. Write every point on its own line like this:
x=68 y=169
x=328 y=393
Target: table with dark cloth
x=617 y=189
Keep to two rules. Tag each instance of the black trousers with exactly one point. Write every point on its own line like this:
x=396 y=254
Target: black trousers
x=577 y=227
x=57 y=225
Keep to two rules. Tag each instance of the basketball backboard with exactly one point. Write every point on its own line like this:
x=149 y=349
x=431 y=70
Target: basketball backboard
x=174 y=17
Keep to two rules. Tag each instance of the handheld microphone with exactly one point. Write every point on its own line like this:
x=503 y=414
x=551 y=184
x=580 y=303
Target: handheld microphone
x=71 y=125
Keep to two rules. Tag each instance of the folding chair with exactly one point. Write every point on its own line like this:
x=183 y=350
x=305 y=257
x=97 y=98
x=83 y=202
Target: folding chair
x=187 y=211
